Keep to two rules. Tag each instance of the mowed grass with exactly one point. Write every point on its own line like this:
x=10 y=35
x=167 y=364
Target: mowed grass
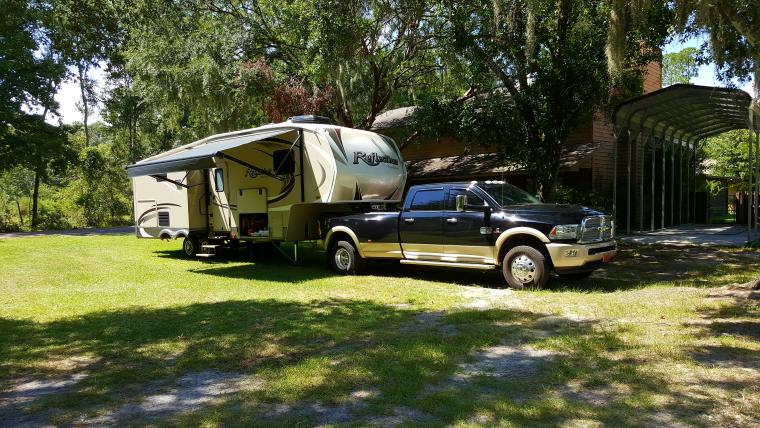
x=654 y=339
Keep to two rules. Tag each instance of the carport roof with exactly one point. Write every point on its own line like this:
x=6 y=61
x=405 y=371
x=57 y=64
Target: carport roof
x=688 y=112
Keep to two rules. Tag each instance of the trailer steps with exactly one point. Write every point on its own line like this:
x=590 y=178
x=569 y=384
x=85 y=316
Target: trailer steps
x=205 y=255
x=208 y=250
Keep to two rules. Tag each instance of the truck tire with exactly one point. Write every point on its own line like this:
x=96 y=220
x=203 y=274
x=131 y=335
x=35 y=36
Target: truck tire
x=525 y=266
x=344 y=258
x=190 y=246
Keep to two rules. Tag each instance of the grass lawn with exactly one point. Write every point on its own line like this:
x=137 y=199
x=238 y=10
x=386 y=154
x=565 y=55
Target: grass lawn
x=112 y=330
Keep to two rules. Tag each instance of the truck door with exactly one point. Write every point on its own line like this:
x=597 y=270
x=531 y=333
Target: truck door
x=464 y=241
x=421 y=227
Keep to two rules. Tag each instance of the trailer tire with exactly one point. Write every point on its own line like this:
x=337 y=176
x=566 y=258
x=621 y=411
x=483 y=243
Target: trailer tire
x=190 y=246
x=525 y=266
x=344 y=258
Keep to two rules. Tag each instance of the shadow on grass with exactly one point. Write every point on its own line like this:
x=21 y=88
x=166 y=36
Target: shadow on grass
x=635 y=266
x=318 y=355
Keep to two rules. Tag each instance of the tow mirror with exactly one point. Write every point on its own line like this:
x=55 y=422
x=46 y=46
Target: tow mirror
x=461 y=202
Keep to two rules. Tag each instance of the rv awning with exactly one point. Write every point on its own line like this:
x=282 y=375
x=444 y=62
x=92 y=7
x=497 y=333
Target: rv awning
x=198 y=157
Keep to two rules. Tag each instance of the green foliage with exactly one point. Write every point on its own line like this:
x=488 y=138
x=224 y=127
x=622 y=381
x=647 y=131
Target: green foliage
x=728 y=156
x=733 y=34
x=680 y=67
x=542 y=67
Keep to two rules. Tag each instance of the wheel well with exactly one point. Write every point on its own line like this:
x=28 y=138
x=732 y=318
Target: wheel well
x=339 y=236
x=165 y=236
x=523 y=239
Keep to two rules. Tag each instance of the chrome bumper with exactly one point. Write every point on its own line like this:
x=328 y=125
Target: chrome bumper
x=574 y=256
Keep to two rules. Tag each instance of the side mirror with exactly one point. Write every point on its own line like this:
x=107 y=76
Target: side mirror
x=461 y=203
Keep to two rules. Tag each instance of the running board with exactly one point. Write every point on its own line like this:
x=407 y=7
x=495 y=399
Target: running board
x=447 y=264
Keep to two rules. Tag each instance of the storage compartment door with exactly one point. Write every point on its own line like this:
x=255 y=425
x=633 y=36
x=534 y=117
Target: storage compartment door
x=252 y=201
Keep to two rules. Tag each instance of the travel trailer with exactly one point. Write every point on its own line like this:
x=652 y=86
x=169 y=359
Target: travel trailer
x=267 y=184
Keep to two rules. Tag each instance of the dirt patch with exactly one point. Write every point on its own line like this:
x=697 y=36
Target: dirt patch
x=24 y=393
x=597 y=396
x=505 y=361
x=481 y=298
x=321 y=413
x=401 y=415
x=189 y=393
x=429 y=320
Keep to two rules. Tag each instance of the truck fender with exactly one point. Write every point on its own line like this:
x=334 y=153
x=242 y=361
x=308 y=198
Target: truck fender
x=517 y=231
x=347 y=231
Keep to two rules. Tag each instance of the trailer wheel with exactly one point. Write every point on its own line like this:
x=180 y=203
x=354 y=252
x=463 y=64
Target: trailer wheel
x=525 y=266
x=190 y=246
x=344 y=258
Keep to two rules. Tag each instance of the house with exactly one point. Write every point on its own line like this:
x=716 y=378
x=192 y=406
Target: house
x=586 y=164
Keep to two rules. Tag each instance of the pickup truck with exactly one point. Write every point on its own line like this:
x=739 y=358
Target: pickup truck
x=477 y=225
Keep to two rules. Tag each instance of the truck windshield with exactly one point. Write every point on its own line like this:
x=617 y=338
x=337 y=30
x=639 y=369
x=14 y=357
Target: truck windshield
x=507 y=194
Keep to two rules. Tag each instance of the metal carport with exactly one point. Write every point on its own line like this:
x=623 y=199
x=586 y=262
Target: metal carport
x=674 y=120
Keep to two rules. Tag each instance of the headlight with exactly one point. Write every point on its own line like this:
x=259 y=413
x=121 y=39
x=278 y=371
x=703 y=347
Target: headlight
x=564 y=231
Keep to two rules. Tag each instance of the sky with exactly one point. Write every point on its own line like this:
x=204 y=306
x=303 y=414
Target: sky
x=68 y=95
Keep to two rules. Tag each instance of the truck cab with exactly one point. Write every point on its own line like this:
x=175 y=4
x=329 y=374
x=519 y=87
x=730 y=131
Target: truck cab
x=477 y=225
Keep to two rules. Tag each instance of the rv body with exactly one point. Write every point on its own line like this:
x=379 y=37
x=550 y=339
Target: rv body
x=265 y=184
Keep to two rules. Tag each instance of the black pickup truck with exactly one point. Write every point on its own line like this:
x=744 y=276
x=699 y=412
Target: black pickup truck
x=479 y=225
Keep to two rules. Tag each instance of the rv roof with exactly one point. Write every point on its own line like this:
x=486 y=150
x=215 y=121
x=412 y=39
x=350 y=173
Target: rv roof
x=198 y=154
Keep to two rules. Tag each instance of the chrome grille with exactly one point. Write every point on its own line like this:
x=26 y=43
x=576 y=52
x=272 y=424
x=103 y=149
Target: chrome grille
x=598 y=228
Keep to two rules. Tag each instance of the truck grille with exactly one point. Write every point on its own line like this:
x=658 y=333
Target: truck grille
x=598 y=228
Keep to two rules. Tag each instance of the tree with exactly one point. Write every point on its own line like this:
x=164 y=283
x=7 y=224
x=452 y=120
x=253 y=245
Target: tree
x=734 y=35
x=40 y=147
x=547 y=62
x=729 y=154
x=84 y=32
x=680 y=67
x=371 y=50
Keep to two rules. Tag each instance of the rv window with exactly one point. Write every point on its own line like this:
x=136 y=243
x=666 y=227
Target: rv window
x=284 y=163
x=219 y=180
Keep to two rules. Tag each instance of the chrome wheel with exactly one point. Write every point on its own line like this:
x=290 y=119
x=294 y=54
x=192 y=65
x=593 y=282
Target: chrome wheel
x=342 y=258
x=188 y=247
x=523 y=269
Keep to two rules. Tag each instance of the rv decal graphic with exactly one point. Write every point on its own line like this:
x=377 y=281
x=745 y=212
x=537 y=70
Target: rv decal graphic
x=374 y=159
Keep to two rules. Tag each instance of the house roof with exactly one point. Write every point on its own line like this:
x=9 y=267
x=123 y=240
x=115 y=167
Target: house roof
x=486 y=164
x=394 y=118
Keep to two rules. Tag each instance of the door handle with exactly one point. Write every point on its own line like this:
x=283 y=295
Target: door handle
x=451 y=220
x=409 y=220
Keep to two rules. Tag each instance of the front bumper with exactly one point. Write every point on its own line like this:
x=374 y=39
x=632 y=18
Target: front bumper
x=580 y=257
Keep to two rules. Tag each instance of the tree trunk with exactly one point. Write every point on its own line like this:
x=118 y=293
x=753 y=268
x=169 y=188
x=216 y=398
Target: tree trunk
x=20 y=217
x=82 y=69
x=35 y=196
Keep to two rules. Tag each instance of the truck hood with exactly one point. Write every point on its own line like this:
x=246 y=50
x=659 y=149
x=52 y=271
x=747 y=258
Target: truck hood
x=551 y=213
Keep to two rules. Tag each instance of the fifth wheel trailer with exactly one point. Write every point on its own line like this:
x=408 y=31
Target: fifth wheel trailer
x=267 y=184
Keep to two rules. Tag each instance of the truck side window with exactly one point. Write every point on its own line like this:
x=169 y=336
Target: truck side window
x=472 y=199
x=427 y=200
x=219 y=179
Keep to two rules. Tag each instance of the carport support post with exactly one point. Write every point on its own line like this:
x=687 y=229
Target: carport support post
x=664 y=141
x=628 y=187
x=689 y=153
x=680 y=183
x=757 y=175
x=615 y=141
x=750 y=173
x=672 y=178
x=654 y=152
x=641 y=180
